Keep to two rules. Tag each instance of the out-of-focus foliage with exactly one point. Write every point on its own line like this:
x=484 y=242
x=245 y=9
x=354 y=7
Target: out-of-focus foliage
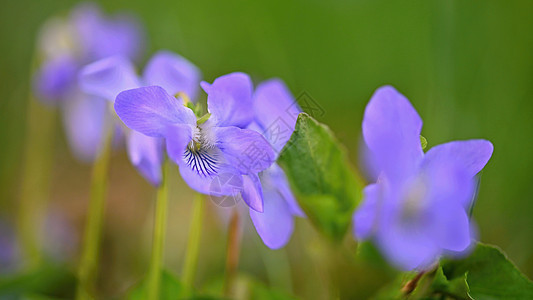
x=490 y=275
x=246 y=288
x=441 y=285
x=170 y=288
x=431 y=285
x=47 y=280
x=485 y=274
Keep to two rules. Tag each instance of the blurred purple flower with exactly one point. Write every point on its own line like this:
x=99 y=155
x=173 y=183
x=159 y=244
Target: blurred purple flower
x=8 y=248
x=108 y=77
x=65 y=45
x=86 y=35
x=60 y=240
x=274 y=117
x=207 y=152
x=417 y=209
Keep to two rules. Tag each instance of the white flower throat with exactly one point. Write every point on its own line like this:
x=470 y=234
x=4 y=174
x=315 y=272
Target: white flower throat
x=201 y=154
x=414 y=200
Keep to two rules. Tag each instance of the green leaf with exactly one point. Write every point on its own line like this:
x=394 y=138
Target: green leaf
x=320 y=176
x=48 y=280
x=490 y=275
x=431 y=285
x=259 y=291
x=456 y=287
x=171 y=288
x=485 y=274
x=393 y=290
x=246 y=287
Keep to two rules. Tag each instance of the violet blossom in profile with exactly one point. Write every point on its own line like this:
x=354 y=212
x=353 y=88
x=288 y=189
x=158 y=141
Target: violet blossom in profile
x=65 y=45
x=206 y=151
x=418 y=209
x=275 y=113
x=108 y=77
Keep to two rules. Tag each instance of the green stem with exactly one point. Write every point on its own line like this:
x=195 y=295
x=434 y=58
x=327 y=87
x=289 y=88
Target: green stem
x=193 y=244
x=93 y=229
x=158 y=242
x=38 y=158
x=411 y=285
x=232 y=255
x=184 y=96
x=277 y=267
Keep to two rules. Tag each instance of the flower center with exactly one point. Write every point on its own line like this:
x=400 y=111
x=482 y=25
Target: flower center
x=414 y=201
x=59 y=38
x=201 y=155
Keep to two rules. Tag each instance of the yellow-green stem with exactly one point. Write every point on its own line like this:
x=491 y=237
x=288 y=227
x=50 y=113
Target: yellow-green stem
x=193 y=244
x=158 y=242
x=277 y=267
x=38 y=158
x=88 y=266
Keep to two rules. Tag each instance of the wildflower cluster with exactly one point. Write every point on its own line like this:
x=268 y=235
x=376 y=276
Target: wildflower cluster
x=227 y=143
x=416 y=211
x=65 y=45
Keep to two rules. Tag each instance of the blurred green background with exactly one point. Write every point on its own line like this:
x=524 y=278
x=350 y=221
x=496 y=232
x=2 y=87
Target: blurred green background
x=467 y=66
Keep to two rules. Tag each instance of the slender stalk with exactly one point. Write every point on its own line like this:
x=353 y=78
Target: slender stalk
x=232 y=256
x=38 y=158
x=93 y=229
x=184 y=96
x=333 y=261
x=158 y=242
x=410 y=286
x=193 y=244
x=277 y=266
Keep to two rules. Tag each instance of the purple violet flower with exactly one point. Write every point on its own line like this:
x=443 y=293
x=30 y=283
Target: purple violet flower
x=67 y=44
x=207 y=152
x=108 y=77
x=418 y=208
x=275 y=113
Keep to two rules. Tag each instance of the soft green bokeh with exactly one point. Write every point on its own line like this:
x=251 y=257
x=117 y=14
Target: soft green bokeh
x=467 y=66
